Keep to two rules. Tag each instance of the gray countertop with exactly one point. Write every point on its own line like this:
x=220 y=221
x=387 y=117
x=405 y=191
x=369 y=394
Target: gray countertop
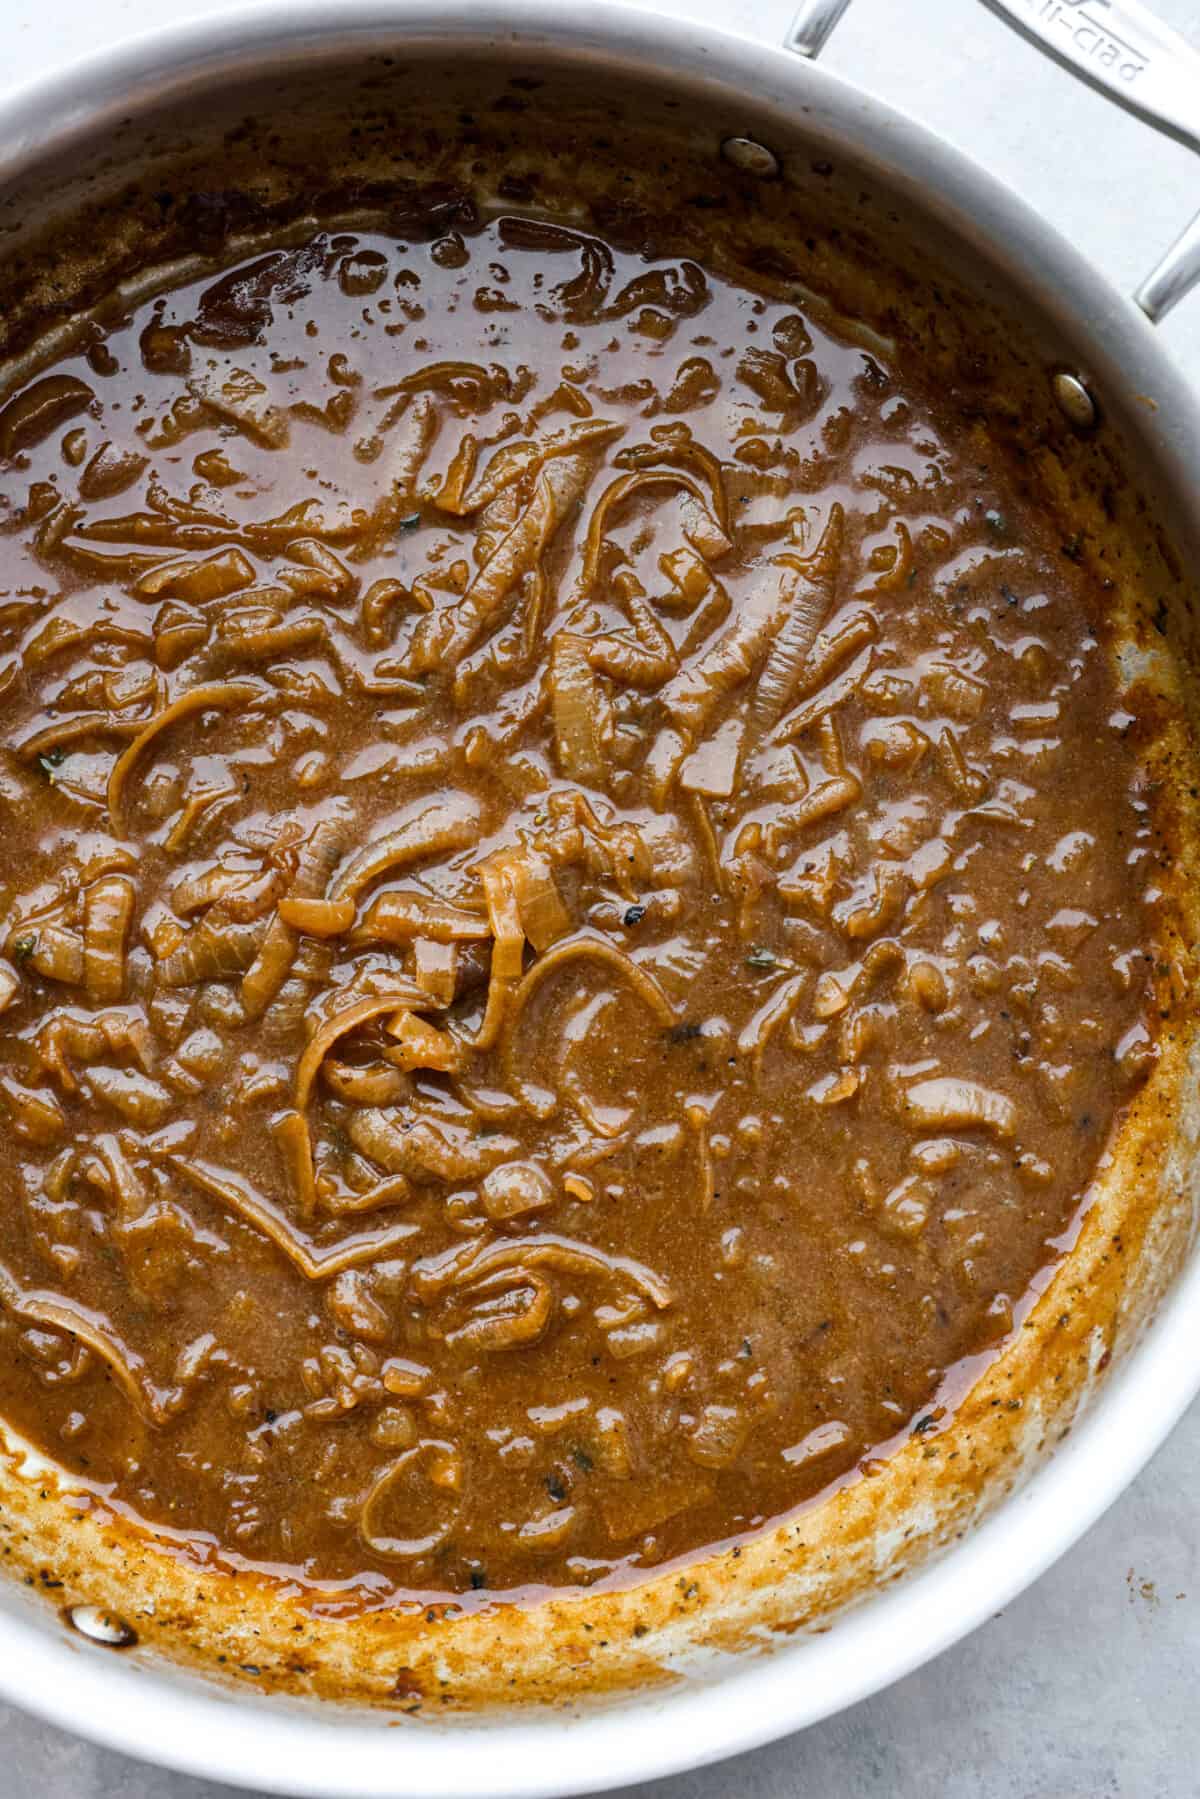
x=1085 y=1687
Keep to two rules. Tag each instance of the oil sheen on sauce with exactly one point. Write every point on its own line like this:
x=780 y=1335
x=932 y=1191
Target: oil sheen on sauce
x=572 y=908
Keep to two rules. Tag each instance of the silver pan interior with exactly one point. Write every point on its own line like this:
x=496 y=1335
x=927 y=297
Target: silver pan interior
x=821 y=1611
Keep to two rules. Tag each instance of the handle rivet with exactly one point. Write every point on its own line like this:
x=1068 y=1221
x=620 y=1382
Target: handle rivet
x=1074 y=401
x=749 y=157
x=99 y=1626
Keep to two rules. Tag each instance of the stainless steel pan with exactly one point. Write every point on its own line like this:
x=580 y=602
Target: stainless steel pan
x=132 y=1648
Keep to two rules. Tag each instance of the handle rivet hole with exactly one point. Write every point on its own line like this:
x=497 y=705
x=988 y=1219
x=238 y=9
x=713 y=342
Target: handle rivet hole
x=749 y=157
x=1074 y=401
x=99 y=1626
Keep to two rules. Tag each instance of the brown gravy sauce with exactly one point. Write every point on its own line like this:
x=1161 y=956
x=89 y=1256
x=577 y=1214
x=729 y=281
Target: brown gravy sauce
x=572 y=908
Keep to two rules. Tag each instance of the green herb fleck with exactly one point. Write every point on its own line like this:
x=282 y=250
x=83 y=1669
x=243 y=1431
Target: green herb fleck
x=761 y=958
x=411 y=523
x=22 y=949
x=478 y=1579
x=556 y=1486
x=996 y=522
x=582 y=1459
x=52 y=760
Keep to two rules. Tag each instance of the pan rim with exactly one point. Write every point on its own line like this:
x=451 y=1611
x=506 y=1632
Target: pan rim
x=172 y=1719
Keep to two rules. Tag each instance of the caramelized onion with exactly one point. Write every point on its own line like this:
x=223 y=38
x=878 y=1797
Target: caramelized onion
x=314 y=1262
x=197 y=699
x=443 y=826
x=469 y=1266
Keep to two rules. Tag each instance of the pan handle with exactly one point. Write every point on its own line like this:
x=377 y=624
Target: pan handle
x=1117 y=46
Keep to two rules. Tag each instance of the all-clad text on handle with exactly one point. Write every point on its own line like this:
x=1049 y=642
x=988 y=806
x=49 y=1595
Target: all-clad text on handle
x=1122 y=49
x=1118 y=47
